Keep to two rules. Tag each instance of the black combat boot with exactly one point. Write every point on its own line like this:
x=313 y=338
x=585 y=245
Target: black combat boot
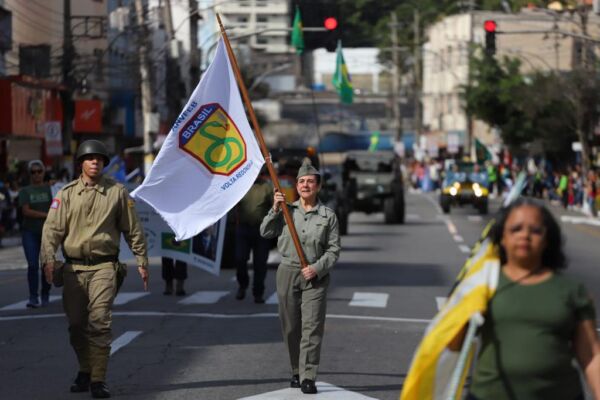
x=81 y=383
x=99 y=390
x=295 y=381
x=308 y=386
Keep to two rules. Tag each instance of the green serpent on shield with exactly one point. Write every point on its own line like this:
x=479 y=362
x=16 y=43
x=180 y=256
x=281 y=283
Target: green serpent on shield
x=217 y=142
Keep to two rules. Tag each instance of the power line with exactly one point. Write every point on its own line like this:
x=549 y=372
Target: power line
x=39 y=13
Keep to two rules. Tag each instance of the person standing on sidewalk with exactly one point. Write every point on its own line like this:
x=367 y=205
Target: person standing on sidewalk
x=249 y=213
x=87 y=218
x=302 y=292
x=34 y=201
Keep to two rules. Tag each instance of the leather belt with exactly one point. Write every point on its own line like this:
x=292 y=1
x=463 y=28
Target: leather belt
x=91 y=261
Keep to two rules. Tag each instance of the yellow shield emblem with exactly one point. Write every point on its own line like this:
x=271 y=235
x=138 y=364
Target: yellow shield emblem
x=212 y=138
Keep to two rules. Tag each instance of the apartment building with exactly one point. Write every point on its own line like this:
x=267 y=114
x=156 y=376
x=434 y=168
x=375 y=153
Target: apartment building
x=446 y=67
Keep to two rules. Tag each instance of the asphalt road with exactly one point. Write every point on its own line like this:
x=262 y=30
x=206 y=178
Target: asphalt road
x=208 y=345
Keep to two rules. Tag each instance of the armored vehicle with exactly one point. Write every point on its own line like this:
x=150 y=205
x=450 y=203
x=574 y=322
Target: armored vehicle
x=373 y=183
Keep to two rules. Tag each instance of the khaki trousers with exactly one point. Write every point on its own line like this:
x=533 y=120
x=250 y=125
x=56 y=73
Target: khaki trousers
x=302 y=309
x=87 y=299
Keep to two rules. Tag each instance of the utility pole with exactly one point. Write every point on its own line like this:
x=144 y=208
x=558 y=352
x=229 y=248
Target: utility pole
x=417 y=72
x=145 y=84
x=194 y=70
x=67 y=94
x=174 y=84
x=397 y=118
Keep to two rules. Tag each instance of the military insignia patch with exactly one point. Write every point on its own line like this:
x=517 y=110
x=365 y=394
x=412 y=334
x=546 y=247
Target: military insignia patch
x=212 y=138
x=55 y=204
x=130 y=203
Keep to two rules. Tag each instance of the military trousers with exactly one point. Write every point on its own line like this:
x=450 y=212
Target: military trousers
x=87 y=300
x=302 y=309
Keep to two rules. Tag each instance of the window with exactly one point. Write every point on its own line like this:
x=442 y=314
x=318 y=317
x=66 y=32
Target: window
x=34 y=60
x=262 y=40
x=242 y=19
x=262 y=18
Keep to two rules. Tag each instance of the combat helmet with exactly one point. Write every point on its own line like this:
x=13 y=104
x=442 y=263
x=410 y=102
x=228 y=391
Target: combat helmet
x=92 y=147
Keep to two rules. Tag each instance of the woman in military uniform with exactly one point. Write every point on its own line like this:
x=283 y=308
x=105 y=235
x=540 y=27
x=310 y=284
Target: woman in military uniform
x=302 y=292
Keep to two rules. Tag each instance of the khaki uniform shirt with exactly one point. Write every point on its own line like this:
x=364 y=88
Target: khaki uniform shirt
x=88 y=221
x=318 y=233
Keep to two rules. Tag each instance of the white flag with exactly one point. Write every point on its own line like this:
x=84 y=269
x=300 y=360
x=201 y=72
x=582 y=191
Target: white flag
x=210 y=158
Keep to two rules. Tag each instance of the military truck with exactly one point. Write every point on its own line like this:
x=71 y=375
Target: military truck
x=373 y=183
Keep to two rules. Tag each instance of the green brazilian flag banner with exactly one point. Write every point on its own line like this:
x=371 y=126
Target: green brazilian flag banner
x=298 y=33
x=341 y=78
x=482 y=152
x=168 y=242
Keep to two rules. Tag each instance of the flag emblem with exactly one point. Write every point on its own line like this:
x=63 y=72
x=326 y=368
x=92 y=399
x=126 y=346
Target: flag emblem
x=212 y=138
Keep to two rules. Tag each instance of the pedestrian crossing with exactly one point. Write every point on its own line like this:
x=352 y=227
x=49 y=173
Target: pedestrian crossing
x=207 y=297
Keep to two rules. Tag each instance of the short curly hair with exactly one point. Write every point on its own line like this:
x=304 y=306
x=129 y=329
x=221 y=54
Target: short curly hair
x=553 y=256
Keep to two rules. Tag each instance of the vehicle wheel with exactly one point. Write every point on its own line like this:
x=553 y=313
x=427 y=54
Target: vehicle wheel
x=483 y=207
x=400 y=210
x=389 y=211
x=343 y=223
x=445 y=204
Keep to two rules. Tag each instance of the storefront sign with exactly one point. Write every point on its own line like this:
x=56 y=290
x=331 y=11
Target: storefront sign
x=88 y=116
x=53 y=136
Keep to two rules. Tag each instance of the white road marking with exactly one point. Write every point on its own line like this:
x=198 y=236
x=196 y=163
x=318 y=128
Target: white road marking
x=474 y=218
x=458 y=238
x=440 y=301
x=22 y=305
x=364 y=299
x=272 y=299
x=126 y=297
x=433 y=202
x=204 y=297
x=123 y=340
x=451 y=227
x=412 y=217
x=465 y=249
x=326 y=391
x=580 y=220
x=219 y=316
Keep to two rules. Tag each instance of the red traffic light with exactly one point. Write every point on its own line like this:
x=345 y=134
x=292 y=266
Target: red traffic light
x=490 y=26
x=330 y=23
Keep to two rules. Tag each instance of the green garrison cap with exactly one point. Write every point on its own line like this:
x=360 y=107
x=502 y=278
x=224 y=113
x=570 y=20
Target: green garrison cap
x=307 y=169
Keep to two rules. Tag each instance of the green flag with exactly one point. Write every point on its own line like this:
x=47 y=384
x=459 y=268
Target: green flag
x=341 y=77
x=374 y=141
x=482 y=152
x=297 y=33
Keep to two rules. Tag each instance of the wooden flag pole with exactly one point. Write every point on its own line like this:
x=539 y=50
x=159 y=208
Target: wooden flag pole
x=263 y=147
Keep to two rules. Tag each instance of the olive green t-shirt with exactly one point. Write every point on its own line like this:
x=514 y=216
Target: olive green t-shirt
x=39 y=198
x=526 y=351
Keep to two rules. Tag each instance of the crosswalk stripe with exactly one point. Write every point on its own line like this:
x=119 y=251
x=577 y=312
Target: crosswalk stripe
x=204 y=297
x=126 y=297
x=458 y=238
x=412 y=217
x=326 y=392
x=474 y=218
x=464 y=248
x=366 y=299
x=22 y=305
x=272 y=299
x=123 y=340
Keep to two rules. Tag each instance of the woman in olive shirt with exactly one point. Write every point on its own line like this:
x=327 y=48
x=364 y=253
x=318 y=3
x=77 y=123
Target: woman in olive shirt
x=539 y=320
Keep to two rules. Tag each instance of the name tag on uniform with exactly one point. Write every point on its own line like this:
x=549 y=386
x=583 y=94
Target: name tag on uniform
x=130 y=203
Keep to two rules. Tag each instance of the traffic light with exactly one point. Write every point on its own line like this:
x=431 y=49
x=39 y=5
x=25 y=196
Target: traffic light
x=331 y=23
x=490 y=36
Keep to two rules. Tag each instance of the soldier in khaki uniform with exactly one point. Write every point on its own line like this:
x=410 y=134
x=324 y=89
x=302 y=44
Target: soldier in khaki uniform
x=87 y=218
x=302 y=293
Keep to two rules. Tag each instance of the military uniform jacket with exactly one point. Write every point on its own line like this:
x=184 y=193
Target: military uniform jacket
x=318 y=233
x=88 y=222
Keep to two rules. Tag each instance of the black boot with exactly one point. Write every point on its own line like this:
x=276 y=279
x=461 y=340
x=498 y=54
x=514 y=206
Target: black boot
x=241 y=293
x=99 y=390
x=81 y=383
x=308 y=386
x=295 y=381
x=168 y=288
x=179 y=290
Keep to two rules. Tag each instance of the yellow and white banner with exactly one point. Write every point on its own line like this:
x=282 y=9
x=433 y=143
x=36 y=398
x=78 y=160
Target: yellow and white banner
x=434 y=365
